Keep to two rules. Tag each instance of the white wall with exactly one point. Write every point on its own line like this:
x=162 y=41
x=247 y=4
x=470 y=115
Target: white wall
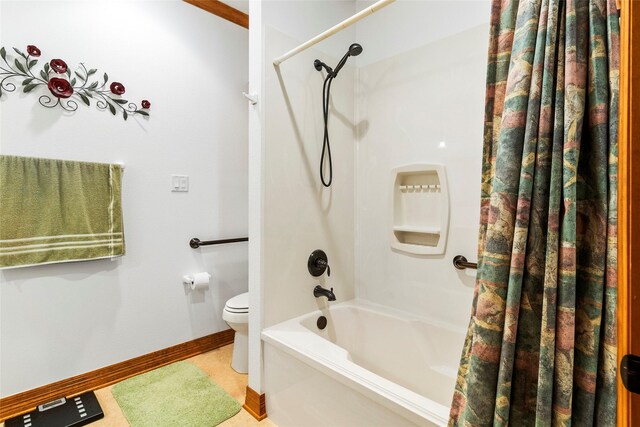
x=62 y=320
x=422 y=104
x=256 y=196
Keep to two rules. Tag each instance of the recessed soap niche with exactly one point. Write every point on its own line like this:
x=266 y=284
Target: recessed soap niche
x=420 y=209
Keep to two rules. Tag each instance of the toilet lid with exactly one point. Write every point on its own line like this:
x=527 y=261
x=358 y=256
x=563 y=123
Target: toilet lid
x=239 y=303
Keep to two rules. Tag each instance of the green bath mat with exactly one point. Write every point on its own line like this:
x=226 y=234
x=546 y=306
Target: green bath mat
x=179 y=394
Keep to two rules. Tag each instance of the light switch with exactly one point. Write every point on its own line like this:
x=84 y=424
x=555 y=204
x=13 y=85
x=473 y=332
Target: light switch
x=180 y=183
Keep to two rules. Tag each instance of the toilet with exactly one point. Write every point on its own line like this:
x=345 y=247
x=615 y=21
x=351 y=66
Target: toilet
x=236 y=314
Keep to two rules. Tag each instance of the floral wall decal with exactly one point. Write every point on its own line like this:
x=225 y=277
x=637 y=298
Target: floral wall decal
x=64 y=88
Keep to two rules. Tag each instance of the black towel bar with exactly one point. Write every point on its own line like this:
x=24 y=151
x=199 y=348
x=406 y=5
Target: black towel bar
x=195 y=243
x=460 y=262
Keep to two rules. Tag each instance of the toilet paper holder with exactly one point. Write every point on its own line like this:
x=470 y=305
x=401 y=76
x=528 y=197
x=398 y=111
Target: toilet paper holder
x=196 y=280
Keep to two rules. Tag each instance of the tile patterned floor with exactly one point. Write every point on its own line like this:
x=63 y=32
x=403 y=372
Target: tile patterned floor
x=217 y=364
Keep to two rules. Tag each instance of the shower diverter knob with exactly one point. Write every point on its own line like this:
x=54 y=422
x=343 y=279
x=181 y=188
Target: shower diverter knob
x=318 y=263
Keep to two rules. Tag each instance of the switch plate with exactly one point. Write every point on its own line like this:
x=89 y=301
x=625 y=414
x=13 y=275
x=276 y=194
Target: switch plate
x=179 y=183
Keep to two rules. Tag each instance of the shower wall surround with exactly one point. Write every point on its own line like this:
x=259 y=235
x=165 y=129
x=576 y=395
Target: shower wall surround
x=292 y=214
x=414 y=95
x=63 y=320
x=300 y=214
x=425 y=105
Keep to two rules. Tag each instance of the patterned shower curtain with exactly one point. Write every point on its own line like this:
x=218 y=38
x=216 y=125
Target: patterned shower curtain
x=541 y=344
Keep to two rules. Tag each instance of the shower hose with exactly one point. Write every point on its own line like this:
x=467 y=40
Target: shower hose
x=326 y=147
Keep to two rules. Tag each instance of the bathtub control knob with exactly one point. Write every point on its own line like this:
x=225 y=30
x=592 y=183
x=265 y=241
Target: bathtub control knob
x=318 y=263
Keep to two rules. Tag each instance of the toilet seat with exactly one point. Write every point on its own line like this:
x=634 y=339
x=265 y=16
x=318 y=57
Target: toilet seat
x=238 y=304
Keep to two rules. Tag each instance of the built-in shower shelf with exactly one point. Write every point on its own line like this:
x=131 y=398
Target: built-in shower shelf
x=420 y=215
x=415 y=229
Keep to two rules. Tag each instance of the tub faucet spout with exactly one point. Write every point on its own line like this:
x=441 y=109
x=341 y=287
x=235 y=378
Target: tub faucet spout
x=319 y=291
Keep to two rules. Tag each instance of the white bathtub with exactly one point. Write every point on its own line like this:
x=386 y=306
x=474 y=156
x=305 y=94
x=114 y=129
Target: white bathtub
x=371 y=366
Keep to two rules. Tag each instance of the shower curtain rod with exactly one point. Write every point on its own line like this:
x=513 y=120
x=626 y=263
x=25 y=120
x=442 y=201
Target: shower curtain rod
x=331 y=31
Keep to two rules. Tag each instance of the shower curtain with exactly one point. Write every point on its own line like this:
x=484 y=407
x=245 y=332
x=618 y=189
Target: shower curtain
x=541 y=343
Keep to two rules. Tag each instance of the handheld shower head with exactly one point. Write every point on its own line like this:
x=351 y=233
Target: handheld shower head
x=354 y=50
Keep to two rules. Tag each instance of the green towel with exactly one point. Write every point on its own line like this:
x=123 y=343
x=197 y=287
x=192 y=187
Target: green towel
x=58 y=211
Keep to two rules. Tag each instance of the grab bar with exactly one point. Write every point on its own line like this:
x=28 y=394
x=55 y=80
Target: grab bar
x=460 y=262
x=195 y=243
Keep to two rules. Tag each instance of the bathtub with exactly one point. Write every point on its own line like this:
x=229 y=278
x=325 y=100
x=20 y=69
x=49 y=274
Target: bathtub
x=370 y=366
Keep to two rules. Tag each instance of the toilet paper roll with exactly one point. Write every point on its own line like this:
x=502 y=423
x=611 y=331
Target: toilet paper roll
x=197 y=280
